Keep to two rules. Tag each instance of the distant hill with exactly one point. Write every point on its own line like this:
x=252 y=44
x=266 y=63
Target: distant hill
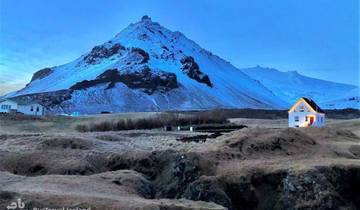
x=350 y=99
x=290 y=86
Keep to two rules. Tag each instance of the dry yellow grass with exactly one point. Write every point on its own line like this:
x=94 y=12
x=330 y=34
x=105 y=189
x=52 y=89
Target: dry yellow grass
x=263 y=160
x=55 y=124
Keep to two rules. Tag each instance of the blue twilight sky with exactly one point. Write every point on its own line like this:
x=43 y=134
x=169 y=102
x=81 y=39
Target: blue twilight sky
x=318 y=38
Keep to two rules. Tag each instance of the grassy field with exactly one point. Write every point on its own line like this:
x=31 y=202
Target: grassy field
x=47 y=162
x=51 y=124
x=249 y=117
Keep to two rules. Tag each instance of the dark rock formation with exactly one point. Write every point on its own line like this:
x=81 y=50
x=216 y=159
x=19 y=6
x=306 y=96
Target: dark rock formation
x=142 y=186
x=143 y=79
x=145 y=17
x=192 y=69
x=142 y=53
x=41 y=74
x=149 y=81
x=100 y=52
x=47 y=99
x=321 y=189
x=175 y=177
x=207 y=189
x=241 y=193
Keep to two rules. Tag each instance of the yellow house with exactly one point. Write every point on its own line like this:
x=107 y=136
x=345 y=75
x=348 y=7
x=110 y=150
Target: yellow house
x=305 y=112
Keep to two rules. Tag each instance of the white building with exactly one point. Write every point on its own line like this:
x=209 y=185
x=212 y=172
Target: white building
x=25 y=107
x=306 y=113
x=7 y=105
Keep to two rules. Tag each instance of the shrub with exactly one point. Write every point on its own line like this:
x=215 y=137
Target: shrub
x=160 y=120
x=82 y=128
x=20 y=117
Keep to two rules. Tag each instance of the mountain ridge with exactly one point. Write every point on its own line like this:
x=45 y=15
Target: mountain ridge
x=291 y=85
x=147 y=67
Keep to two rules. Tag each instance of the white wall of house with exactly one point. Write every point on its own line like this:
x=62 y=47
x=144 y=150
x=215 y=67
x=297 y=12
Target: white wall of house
x=7 y=105
x=32 y=109
x=304 y=116
x=320 y=119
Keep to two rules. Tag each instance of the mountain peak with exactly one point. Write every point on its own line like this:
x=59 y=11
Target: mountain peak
x=293 y=72
x=141 y=32
x=149 y=67
x=146 y=18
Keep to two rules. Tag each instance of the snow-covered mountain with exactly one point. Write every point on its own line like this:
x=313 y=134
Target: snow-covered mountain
x=147 y=67
x=350 y=99
x=290 y=86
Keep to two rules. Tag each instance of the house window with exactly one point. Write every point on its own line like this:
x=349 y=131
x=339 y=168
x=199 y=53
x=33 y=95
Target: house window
x=306 y=118
x=31 y=108
x=37 y=109
x=296 y=118
x=302 y=109
x=5 y=106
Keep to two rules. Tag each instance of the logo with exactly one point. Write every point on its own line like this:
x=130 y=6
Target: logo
x=16 y=204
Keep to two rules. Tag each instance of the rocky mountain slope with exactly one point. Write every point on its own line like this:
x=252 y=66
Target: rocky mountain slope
x=290 y=86
x=148 y=67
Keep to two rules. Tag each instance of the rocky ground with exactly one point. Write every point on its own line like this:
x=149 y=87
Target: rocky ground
x=265 y=166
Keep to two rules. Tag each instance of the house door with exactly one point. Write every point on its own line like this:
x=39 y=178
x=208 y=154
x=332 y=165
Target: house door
x=312 y=118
